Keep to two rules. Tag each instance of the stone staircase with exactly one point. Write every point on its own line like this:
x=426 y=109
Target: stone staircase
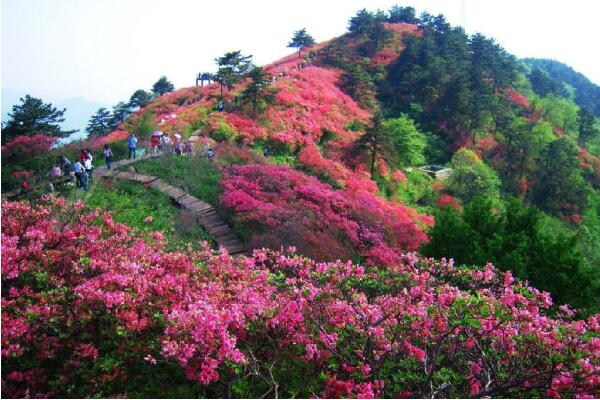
x=204 y=213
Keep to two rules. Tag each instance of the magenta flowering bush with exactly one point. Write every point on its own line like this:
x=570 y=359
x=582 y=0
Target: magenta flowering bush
x=286 y=207
x=88 y=309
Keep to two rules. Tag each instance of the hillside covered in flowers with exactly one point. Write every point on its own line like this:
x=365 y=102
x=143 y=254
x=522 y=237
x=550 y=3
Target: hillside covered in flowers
x=367 y=275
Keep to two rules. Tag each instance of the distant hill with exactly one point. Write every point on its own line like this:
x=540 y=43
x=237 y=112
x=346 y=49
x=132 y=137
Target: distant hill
x=587 y=93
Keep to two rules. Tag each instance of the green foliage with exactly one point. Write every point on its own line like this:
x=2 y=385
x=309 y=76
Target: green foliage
x=232 y=66
x=402 y=14
x=143 y=126
x=471 y=177
x=223 y=133
x=121 y=111
x=358 y=83
x=140 y=98
x=301 y=40
x=409 y=143
x=131 y=203
x=259 y=88
x=162 y=86
x=32 y=117
x=587 y=94
x=368 y=27
x=560 y=112
x=562 y=190
x=195 y=175
x=514 y=237
x=99 y=123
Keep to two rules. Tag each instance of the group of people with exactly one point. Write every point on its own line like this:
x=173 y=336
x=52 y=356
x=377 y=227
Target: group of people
x=160 y=141
x=82 y=170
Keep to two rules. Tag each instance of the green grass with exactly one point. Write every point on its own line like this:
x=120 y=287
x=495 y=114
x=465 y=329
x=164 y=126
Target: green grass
x=195 y=175
x=131 y=203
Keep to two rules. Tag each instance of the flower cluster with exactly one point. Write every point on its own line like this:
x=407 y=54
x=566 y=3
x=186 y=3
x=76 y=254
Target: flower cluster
x=322 y=222
x=89 y=309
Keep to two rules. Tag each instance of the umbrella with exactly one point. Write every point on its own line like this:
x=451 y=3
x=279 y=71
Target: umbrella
x=157 y=133
x=177 y=135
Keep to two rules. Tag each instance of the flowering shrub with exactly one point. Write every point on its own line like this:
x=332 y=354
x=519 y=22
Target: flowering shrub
x=309 y=103
x=517 y=98
x=288 y=207
x=25 y=147
x=88 y=309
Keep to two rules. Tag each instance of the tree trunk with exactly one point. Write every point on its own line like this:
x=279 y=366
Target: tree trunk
x=373 y=155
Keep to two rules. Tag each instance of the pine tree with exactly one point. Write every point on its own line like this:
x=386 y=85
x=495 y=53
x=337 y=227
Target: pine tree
x=232 y=67
x=99 y=123
x=301 y=40
x=140 y=98
x=33 y=117
x=258 y=88
x=121 y=111
x=162 y=86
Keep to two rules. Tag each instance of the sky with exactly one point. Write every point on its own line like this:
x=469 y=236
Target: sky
x=104 y=50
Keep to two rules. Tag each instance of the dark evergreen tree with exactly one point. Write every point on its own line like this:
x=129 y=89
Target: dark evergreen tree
x=301 y=40
x=162 y=86
x=402 y=14
x=32 y=117
x=561 y=189
x=99 y=124
x=232 y=67
x=542 y=84
x=587 y=130
x=513 y=239
x=358 y=83
x=258 y=88
x=140 y=98
x=121 y=111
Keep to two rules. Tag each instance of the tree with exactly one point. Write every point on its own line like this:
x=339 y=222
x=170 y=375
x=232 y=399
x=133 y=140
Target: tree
x=587 y=130
x=358 y=83
x=376 y=141
x=121 y=111
x=162 y=86
x=301 y=40
x=512 y=238
x=471 y=177
x=408 y=142
x=232 y=66
x=561 y=189
x=542 y=84
x=33 y=117
x=99 y=123
x=140 y=98
x=369 y=27
x=258 y=88
x=402 y=14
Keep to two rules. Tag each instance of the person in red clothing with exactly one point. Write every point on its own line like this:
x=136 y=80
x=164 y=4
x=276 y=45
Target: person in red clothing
x=154 y=139
x=82 y=156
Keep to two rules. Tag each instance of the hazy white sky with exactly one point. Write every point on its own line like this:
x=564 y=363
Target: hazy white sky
x=104 y=50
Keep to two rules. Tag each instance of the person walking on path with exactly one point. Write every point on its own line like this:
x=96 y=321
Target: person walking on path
x=82 y=156
x=178 y=146
x=154 y=139
x=79 y=172
x=188 y=148
x=89 y=168
x=108 y=156
x=220 y=106
x=210 y=154
x=132 y=143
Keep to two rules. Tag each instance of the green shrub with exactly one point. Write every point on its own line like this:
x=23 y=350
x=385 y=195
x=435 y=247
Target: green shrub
x=223 y=133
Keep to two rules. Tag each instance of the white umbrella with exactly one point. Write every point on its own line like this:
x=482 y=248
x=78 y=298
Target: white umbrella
x=177 y=135
x=157 y=133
